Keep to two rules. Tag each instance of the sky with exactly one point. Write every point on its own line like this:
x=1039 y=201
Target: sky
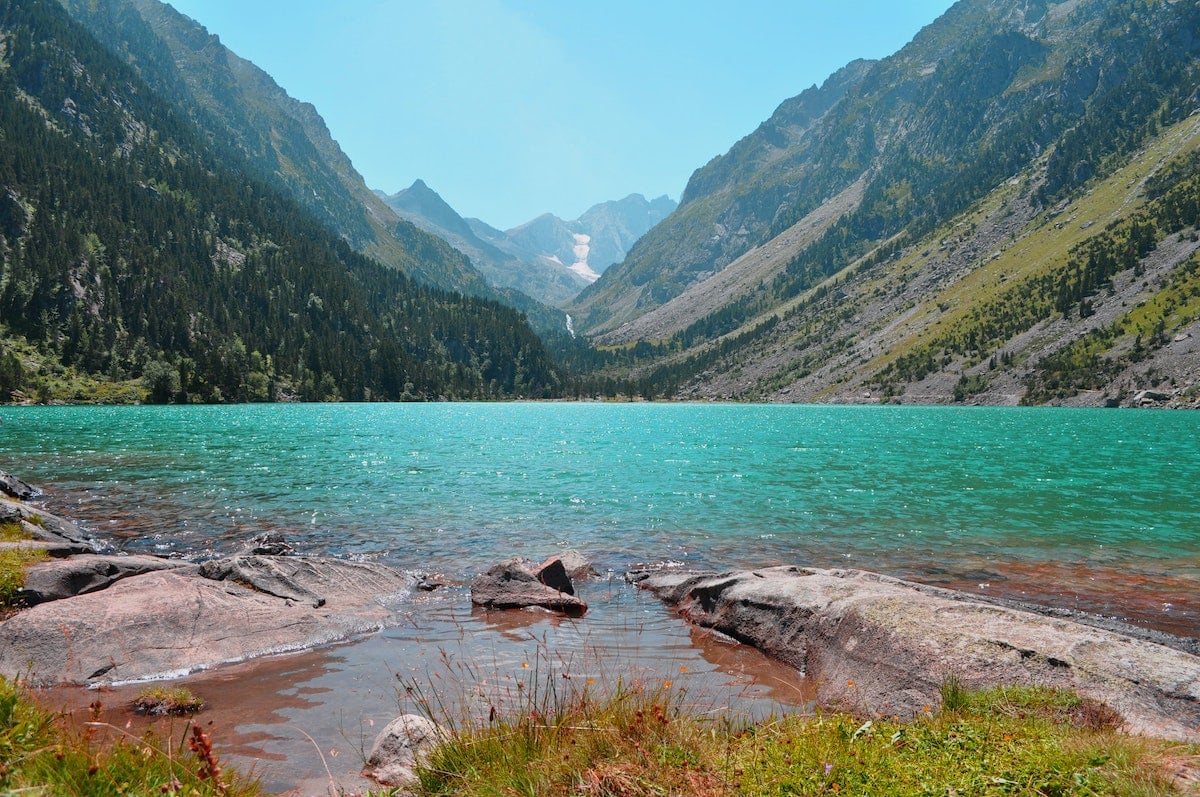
x=514 y=108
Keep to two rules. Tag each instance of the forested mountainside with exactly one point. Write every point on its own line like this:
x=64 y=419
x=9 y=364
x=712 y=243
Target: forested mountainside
x=241 y=111
x=137 y=256
x=1001 y=211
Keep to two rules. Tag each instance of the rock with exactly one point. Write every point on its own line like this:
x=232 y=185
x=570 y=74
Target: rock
x=553 y=574
x=79 y=575
x=1149 y=397
x=172 y=622
x=577 y=565
x=282 y=577
x=55 y=550
x=517 y=584
x=870 y=640
x=270 y=543
x=15 y=488
x=401 y=746
x=43 y=525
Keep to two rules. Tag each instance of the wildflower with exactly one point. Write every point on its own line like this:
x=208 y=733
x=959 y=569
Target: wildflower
x=683 y=668
x=666 y=684
x=524 y=665
x=926 y=709
x=850 y=684
x=828 y=768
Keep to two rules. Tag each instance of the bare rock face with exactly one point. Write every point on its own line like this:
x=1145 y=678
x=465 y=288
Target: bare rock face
x=400 y=747
x=171 y=622
x=519 y=583
x=886 y=644
x=79 y=575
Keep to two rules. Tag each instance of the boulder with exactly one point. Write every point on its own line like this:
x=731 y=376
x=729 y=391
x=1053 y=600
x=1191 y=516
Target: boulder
x=867 y=640
x=172 y=622
x=79 y=575
x=518 y=584
x=1150 y=397
x=16 y=488
x=399 y=748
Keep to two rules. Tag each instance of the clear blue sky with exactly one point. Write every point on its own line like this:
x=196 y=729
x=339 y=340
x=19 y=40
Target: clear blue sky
x=512 y=108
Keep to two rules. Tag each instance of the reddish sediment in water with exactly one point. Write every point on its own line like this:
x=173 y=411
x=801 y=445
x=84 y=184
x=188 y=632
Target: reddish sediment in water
x=1167 y=603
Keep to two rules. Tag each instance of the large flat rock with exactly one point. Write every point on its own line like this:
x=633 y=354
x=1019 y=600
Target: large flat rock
x=171 y=622
x=884 y=645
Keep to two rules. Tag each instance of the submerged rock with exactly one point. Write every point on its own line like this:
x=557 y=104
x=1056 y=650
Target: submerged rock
x=519 y=584
x=886 y=644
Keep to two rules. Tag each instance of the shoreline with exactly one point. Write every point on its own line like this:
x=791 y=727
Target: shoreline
x=300 y=604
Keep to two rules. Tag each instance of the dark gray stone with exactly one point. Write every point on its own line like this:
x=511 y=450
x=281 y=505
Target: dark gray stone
x=16 y=488
x=515 y=584
x=79 y=575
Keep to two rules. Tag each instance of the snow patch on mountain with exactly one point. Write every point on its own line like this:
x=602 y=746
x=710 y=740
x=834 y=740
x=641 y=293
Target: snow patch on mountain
x=581 y=249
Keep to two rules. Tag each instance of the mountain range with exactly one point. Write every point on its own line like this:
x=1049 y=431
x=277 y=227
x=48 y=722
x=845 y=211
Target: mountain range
x=994 y=213
x=547 y=258
x=1005 y=210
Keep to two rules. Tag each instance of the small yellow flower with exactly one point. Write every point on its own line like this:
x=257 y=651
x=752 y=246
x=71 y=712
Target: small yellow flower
x=591 y=681
x=666 y=684
x=524 y=665
x=851 y=685
x=683 y=669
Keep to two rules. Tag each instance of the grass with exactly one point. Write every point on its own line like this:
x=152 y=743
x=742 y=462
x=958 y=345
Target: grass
x=41 y=754
x=638 y=740
x=13 y=562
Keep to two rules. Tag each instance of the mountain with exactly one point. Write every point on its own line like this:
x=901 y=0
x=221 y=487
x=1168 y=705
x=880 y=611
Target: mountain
x=547 y=258
x=242 y=111
x=140 y=259
x=537 y=277
x=999 y=212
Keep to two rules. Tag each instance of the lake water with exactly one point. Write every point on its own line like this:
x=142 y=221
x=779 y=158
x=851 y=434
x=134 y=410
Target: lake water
x=1096 y=510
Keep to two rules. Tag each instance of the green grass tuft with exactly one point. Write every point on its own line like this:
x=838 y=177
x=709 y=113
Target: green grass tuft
x=638 y=740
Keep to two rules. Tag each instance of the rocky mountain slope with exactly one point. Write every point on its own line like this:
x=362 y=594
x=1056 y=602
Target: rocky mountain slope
x=1001 y=212
x=547 y=258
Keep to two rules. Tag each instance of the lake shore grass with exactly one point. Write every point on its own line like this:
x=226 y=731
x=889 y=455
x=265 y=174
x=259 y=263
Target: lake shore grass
x=42 y=753
x=563 y=737
x=641 y=741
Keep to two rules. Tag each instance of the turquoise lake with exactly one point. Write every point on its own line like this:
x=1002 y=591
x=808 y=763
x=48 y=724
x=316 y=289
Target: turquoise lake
x=1095 y=510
